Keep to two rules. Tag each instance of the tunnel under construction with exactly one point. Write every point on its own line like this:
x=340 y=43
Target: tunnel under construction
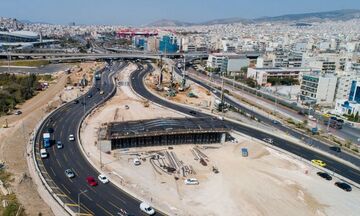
x=163 y=131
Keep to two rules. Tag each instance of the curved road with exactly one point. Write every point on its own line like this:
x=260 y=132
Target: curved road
x=102 y=200
x=344 y=170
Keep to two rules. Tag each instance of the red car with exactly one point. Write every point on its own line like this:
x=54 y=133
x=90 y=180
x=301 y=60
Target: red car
x=91 y=181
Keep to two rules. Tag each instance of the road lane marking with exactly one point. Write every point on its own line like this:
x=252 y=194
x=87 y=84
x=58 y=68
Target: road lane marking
x=111 y=203
x=71 y=204
x=87 y=196
x=104 y=209
x=58 y=162
x=116 y=197
x=92 y=189
x=67 y=190
x=52 y=171
x=65 y=157
x=61 y=195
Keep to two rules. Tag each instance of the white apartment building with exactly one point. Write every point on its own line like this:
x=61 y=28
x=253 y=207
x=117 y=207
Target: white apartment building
x=318 y=88
x=261 y=75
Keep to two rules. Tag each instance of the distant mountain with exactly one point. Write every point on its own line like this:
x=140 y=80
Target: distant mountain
x=168 y=23
x=330 y=15
x=305 y=17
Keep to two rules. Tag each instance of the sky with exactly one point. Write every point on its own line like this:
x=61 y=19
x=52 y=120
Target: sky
x=142 y=12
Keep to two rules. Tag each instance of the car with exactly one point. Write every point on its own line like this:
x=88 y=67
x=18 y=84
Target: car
x=126 y=106
x=324 y=175
x=50 y=130
x=43 y=153
x=268 y=140
x=102 y=178
x=318 y=162
x=147 y=208
x=191 y=181
x=71 y=137
x=18 y=112
x=69 y=173
x=89 y=96
x=91 y=181
x=59 y=145
x=136 y=162
x=335 y=148
x=76 y=101
x=344 y=186
x=192 y=112
x=101 y=92
x=214 y=91
x=275 y=122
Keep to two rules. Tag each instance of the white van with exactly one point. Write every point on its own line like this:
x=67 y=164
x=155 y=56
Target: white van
x=43 y=153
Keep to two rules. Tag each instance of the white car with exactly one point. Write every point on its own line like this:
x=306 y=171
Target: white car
x=136 y=162
x=71 y=137
x=103 y=179
x=147 y=208
x=268 y=140
x=191 y=181
x=43 y=153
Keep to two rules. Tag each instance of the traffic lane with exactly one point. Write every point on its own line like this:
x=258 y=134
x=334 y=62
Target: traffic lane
x=333 y=165
x=78 y=172
x=293 y=133
x=291 y=147
x=59 y=172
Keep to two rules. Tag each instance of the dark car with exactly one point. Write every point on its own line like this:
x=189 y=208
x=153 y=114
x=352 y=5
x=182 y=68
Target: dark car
x=324 y=175
x=50 y=130
x=343 y=186
x=192 y=112
x=335 y=148
x=76 y=101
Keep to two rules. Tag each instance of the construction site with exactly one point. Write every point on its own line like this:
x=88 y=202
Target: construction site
x=233 y=176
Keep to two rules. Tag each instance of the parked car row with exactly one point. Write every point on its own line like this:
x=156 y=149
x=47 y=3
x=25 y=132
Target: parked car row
x=342 y=185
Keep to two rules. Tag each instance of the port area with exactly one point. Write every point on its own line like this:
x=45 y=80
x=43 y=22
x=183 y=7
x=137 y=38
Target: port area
x=266 y=182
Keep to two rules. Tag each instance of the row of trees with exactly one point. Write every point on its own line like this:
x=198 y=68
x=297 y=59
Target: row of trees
x=15 y=89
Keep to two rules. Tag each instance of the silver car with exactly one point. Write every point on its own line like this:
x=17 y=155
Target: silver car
x=69 y=173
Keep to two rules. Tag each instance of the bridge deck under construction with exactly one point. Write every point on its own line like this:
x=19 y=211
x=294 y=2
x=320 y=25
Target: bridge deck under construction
x=165 y=131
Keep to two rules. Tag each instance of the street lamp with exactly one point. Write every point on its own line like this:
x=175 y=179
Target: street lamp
x=79 y=207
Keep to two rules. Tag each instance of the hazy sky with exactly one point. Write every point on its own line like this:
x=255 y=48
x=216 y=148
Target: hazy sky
x=140 y=12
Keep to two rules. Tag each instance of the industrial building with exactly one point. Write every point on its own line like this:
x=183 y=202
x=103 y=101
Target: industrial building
x=18 y=37
x=165 y=131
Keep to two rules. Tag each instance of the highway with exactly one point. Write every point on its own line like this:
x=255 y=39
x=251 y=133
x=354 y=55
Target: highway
x=102 y=200
x=309 y=140
x=332 y=164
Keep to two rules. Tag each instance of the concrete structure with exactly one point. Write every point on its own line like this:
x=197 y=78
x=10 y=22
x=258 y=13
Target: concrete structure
x=344 y=84
x=318 y=88
x=168 y=131
x=261 y=75
x=18 y=36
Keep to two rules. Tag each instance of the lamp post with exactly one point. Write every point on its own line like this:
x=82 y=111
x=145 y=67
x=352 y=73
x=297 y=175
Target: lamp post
x=79 y=194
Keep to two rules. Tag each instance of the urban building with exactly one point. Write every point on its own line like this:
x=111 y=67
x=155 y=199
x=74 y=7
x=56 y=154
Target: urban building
x=261 y=75
x=19 y=37
x=318 y=88
x=234 y=63
x=168 y=44
x=345 y=107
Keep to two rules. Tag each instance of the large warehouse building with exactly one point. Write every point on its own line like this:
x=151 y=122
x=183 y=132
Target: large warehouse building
x=166 y=131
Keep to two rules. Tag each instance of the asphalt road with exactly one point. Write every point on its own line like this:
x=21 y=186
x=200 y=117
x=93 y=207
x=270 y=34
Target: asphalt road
x=104 y=199
x=309 y=140
x=337 y=167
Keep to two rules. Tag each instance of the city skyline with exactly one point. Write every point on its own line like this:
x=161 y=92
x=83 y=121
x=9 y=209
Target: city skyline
x=145 y=12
